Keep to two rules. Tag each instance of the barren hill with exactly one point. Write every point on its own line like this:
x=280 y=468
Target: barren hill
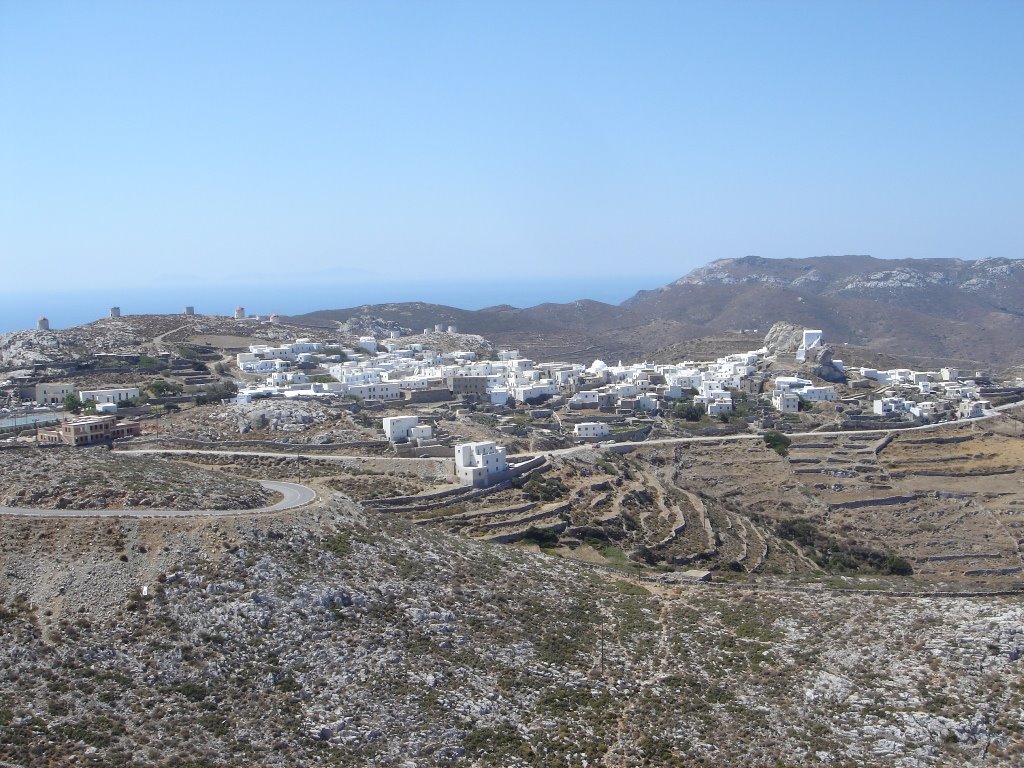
x=940 y=307
x=932 y=308
x=330 y=636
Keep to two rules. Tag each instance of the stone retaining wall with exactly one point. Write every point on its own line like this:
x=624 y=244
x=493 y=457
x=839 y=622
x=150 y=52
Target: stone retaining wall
x=265 y=445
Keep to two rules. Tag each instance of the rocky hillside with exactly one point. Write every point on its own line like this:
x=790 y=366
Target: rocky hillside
x=331 y=636
x=930 y=309
x=93 y=478
x=141 y=334
x=966 y=309
x=994 y=283
x=942 y=308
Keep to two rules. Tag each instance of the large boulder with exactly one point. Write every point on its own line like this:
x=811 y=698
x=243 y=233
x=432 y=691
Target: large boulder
x=784 y=338
x=820 y=358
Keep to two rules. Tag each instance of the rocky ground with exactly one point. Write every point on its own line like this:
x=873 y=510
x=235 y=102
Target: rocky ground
x=295 y=421
x=135 y=334
x=93 y=478
x=277 y=416
x=330 y=636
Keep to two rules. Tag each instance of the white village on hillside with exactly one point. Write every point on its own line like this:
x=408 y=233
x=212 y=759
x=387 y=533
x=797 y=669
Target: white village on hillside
x=600 y=402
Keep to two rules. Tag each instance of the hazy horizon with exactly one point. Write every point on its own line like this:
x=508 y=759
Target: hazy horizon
x=66 y=309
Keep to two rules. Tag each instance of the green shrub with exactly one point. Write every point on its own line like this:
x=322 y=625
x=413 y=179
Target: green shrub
x=803 y=532
x=340 y=544
x=689 y=411
x=540 y=488
x=153 y=363
x=897 y=566
x=542 y=538
x=778 y=442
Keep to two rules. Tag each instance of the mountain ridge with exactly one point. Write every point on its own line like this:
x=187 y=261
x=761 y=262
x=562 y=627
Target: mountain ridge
x=933 y=307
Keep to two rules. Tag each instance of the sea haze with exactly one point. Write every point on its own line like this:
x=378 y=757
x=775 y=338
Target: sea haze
x=20 y=310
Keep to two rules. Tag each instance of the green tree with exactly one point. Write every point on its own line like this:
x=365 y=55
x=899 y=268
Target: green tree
x=778 y=442
x=688 y=411
x=145 y=361
x=162 y=387
x=897 y=566
x=214 y=393
x=72 y=403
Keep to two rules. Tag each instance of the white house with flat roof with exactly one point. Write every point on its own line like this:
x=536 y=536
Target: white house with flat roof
x=590 y=429
x=648 y=402
x=477 y=464
x=785 y=401
x=889 y=406
x=818 y=394
x=382 y=390
x=53 y=394
x=109 y=395
x=588 y=398
x=400 y=428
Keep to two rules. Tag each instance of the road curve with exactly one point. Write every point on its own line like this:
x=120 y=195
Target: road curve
x=293 y=495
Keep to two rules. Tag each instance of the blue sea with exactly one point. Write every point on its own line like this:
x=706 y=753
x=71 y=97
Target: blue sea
x=19 y=310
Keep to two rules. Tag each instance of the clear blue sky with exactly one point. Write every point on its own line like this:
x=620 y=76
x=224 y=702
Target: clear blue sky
x=321 y=143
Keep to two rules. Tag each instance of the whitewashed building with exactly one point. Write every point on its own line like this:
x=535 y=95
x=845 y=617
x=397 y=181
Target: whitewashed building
x=477 y=464
x=818 y=394
x=375 y=392
x=590 y=429
x=399 y=428
x=785 y=401
x=109 y=395
x=53 y=394
x=811 y=340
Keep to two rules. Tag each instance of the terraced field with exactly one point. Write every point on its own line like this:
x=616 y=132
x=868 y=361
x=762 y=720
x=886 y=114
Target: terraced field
x=928 y=509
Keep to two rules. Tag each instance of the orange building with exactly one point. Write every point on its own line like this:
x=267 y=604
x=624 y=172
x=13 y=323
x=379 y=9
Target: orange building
x=90 y=430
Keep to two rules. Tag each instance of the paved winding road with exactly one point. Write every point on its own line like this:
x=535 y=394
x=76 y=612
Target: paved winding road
x=293 y=495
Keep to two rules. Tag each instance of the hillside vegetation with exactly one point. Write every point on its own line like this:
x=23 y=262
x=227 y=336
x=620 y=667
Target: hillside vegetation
x=336 y=637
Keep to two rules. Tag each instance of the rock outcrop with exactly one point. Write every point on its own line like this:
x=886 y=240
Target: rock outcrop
x=96 y=478
x=783 y=338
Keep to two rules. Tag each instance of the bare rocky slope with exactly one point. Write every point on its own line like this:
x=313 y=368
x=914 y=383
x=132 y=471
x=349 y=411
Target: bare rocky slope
x=333 y=636
x=93 y=478
x=143 y=334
